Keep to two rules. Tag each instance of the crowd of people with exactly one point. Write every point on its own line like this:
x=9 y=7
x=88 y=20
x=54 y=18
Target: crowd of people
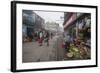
x=43 y=36
x=40 y=36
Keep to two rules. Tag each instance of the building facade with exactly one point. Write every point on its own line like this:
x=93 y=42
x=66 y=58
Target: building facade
x=52 y=27
x=78 y=25
x=31 y=23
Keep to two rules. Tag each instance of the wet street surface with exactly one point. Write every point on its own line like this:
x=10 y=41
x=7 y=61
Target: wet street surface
x=32 y=52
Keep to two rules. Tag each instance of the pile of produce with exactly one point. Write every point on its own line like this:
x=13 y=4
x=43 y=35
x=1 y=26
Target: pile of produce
x=74 y=52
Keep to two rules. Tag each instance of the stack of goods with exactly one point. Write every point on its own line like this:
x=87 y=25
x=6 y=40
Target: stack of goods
x=74 y=52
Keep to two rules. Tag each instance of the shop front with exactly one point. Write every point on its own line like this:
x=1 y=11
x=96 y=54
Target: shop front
x=80 y=38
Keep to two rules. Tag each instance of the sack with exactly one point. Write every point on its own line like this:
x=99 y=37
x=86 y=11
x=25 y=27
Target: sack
x=63 y=45
x=40 y=40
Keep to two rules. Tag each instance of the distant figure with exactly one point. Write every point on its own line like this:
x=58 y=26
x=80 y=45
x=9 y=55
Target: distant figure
x=36 y=36
x=51 y=35
x=47 y=38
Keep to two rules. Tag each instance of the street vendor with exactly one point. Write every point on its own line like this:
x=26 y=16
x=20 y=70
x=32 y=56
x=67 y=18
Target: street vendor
x=67 y=41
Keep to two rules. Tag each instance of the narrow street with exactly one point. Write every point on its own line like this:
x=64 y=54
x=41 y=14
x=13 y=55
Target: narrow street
x=32 y=52
x=70 y=33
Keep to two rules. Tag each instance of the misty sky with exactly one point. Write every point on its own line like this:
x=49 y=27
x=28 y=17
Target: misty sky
x=51 y=16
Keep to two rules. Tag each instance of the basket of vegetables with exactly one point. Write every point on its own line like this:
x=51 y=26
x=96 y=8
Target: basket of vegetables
x=74 y=52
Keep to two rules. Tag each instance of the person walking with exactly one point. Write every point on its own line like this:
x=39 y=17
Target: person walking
x=40 y=38
x=47 y=38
